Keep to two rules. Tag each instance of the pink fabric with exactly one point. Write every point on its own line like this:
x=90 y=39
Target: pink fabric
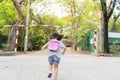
x=53 y=45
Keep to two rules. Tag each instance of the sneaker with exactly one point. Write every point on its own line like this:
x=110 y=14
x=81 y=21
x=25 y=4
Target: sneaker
x=49 y=75
x=54 y=79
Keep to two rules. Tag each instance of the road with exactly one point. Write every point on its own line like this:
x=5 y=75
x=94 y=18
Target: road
x=73 y=66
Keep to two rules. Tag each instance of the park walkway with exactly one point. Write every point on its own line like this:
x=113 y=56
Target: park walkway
x=74 y=66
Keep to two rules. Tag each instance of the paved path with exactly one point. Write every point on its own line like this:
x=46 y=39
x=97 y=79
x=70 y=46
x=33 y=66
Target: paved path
x=73 y=66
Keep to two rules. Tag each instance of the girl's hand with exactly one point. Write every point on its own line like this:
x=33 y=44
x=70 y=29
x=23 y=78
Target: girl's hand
x=62 y=53
x=42 y=48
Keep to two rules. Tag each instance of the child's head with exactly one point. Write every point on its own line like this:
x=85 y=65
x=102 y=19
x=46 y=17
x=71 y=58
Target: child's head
x=59 y=37
x=54 y=35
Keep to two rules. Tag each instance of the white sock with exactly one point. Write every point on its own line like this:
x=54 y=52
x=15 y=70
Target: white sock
x=50 y=71
x=55 y=79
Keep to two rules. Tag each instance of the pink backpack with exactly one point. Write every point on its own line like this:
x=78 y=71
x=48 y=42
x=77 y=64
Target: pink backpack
x=53 y=45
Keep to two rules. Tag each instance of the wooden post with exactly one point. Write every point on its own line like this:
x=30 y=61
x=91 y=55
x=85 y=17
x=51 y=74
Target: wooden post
x=27 y=27
x=16 y=39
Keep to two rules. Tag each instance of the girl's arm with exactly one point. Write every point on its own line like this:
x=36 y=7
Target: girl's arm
x=64 y=50
x=45 y=46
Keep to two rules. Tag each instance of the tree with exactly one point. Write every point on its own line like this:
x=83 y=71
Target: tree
x=20 y=6
x=8 y=16
x=117 y=26
x=116 y=14
x=17 y=4
x=82 y=19
x=71 y=7
x=106 y=12
x=7 y=13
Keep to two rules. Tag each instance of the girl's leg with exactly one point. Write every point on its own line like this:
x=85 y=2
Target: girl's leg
x=50 y=59
x=50 y=71
x=55 y=71
x=50 y=68
x=56 y=65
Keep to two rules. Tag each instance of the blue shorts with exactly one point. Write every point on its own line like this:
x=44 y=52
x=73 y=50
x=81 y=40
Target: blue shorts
x=53 y=59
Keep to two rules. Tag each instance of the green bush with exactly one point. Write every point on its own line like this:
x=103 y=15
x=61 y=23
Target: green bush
x=114 y=47
x=37 y=38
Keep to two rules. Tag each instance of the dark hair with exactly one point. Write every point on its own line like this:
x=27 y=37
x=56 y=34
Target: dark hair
x=54 y=35
x=59 y=37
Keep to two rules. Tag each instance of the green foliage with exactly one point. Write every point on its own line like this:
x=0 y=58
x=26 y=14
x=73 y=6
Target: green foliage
x=8 y=14
x=114 y=47
x=117 y=26
x=21 y=39
x=84 y=20
x=87 y=14
x=37 y=38
x=82 y=38
x=5 y=32
x=47 y=19
x=1 y=40
x=78 y=36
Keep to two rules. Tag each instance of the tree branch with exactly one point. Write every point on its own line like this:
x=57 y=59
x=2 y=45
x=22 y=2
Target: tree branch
x=104 y=8
x=111 y=9
x=18 y=8
x=115 y=19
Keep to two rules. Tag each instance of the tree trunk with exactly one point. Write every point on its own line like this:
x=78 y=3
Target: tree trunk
x=76 y=47
x=17 y=5
x=106 y=14
x=11 y=36
x=105 y=36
